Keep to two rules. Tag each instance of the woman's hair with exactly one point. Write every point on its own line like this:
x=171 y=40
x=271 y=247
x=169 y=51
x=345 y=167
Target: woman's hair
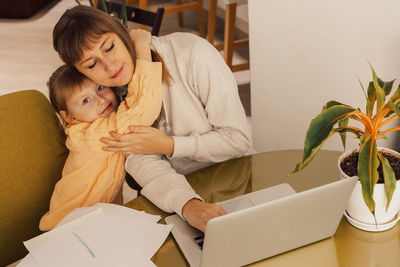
x=81 y=25
x=62 y=84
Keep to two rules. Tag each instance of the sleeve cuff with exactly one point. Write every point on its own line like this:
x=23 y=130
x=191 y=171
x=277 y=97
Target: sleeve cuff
x=182 y=201
x=184 y=146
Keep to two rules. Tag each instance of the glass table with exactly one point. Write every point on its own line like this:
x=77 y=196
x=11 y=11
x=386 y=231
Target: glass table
x=348 y=247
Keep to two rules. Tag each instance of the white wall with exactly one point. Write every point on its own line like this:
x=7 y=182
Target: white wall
x=306 y=52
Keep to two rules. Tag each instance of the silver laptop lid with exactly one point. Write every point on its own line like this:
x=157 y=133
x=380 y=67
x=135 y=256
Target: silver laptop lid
x=262 y=231
x=190 y=239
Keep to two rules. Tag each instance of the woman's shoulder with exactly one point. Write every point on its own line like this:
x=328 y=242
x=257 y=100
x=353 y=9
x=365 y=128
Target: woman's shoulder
x=179 y=40
x=177 y=36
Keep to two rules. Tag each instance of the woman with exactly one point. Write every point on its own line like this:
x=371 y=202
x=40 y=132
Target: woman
x=202 y=120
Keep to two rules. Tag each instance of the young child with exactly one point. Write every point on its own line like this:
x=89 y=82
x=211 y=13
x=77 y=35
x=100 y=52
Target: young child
x=91 y=111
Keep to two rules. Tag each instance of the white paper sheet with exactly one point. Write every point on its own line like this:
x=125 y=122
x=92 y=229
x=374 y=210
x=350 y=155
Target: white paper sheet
x=111 y=235
x=110 y=209
x=28 y=261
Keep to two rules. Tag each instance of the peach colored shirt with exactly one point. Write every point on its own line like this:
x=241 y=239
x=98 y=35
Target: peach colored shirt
x=90 y=174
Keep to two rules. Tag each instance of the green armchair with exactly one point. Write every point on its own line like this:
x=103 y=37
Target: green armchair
x=33 y=152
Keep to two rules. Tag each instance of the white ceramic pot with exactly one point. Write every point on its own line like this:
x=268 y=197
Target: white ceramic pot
x=358 y=210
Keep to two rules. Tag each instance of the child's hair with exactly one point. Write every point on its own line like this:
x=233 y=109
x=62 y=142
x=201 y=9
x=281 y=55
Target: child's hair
x=81 y=25
x=62 y=83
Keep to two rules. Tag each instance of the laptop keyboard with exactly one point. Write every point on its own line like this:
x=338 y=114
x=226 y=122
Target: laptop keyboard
x=199 y=240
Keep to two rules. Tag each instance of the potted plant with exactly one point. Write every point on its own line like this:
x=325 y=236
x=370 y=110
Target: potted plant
x=334 y=118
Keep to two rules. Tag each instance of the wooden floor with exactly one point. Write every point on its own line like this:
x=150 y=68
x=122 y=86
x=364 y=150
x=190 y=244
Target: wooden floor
x=27 y=58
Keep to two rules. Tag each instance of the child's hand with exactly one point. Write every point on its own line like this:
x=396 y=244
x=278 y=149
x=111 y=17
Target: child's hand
x=141 y=40
x=140 y=36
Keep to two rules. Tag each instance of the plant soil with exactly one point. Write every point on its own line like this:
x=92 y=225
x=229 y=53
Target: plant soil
x=349 y=165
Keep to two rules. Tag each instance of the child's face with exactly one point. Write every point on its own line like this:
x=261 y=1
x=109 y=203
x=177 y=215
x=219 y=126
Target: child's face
x=90 y=102
x=107 y=61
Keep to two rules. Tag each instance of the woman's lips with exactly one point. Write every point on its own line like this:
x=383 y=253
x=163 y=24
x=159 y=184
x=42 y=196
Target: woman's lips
x=118 y=73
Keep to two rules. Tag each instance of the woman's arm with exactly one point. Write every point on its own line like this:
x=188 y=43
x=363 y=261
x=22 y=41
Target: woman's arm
x=229 y=133
x=169 y=190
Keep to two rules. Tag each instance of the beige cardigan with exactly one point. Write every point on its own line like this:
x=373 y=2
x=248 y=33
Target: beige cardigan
x=201 y=110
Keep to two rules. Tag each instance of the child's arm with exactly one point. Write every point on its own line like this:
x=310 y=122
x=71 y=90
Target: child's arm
x=141 y=40
x=142 y=105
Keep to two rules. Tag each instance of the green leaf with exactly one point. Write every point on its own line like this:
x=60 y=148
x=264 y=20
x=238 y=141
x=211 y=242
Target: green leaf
x=386 y=86
x=380 y=94
x=394 y=101
x=367 y=170
x=123 y=15
x=371 y=98
x=389 y=177
x=332 y=103
x=319 y=130
x=103 y=6
x=384 y=137
x=389 y=114
x=356 y=133
x=384 y=89
x=343 y=123
x=301 y=165
x=395 y=106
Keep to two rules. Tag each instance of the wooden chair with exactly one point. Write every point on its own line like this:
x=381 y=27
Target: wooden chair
x=140 y=16
x=179 y=8
x=229 y=42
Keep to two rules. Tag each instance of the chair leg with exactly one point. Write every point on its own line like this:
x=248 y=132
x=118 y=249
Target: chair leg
x=212 y=14
x=180 y=14
x=230 y=18
x=200 y=14
x=143 y=5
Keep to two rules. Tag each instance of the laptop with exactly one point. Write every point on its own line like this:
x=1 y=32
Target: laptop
x=264 y=223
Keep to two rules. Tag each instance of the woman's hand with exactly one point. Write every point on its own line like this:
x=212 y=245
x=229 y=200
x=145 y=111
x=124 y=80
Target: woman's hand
x=141 y=140
x=198 y=213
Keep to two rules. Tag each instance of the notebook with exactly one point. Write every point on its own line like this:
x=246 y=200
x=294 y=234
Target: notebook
x=264 y=223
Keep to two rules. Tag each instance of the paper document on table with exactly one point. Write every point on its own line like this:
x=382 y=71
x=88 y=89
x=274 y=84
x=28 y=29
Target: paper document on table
x=109 y=235
x=111 y=210
x=28 y=261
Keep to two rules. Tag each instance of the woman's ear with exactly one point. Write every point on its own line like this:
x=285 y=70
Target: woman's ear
x=65 y=116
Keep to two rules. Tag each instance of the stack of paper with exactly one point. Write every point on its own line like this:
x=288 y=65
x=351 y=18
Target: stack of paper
x=102 y=235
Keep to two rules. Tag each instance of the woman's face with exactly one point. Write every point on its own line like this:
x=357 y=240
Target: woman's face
x=107 y=61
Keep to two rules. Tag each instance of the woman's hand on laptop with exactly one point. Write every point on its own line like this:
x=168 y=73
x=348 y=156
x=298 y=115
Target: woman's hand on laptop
x=198 y=213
